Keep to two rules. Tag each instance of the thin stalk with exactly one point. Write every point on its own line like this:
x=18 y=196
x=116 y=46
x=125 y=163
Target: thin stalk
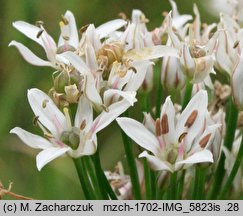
x=173 y=186
x=131 y=165
x=100 y=175
x=199 y=183
x=93 y=177
x=147 y=178
x=87 y=190
x=181 y=185
x=232 y=117
x=188 y=94
x=233 y=171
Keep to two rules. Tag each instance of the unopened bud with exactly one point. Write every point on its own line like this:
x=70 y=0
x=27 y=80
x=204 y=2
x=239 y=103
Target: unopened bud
x=113 y=51
x=71 y=138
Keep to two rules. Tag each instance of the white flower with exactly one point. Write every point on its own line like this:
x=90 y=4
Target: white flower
x=175 y=143
x=60 y=137
x=68 y=41
x=236 y=83
x=195 y=51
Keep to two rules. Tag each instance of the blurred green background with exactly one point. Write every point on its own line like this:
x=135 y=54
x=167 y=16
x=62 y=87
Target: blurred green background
x=58 y=180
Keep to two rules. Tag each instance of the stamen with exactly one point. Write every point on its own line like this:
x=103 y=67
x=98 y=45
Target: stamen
x=164 y=124
x=204 y=140
x=236 y=44
x=157 y=127
x=191 y=119
x=83 y=29
x=83 y=124
x=182 y=136
x=35 y=120
x=39 y=33
x=39 y=23
x=64 y=20
x=133 y=69
x=44 y=103
x=66 y=38
x=68 y=119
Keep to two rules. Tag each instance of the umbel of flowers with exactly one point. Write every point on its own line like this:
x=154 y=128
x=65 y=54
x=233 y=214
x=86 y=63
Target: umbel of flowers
x=100 y=72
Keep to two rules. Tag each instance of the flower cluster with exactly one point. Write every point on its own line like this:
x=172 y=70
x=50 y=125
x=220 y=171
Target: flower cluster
x=98 y=72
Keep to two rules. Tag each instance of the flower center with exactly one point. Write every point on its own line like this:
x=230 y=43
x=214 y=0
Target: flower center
x=71 y=138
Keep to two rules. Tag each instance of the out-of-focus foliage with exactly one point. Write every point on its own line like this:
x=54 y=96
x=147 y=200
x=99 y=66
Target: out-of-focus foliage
x=58 y=180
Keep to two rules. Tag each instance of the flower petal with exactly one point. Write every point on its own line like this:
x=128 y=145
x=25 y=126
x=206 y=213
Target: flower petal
x=168 y=110
x=29 y=56
x=48 y=155
x=105 y=118
x=141 y=135
x=149 y=53
x=32 y=140
x=91 y=91
x=155 y=163
x=76 y=61
x=137 y=78
x=48 y=113
x=198 y=157
x=72 y=31
x=111 y=95
x=198 y=104
x=109 y=27
x=84 y=113
x=29 y=31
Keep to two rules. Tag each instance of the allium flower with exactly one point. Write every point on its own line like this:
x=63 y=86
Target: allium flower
x=68 y=40
x=229 y=44
x=174 y=142
x=60 y=136
x=196 y=58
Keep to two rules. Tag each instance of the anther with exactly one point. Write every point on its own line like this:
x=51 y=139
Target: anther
x=157 y=127
x=35 y=120
x=44 y=103
x=191 y=119
x=164 y=124
x=203 y=142
x=39 y=33
x=83 y=124
x=182 y=136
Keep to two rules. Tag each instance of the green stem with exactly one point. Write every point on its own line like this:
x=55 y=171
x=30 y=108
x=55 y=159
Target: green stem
x=147 y=178
x=188 y=94
x=181 y=185
x=233 y=171
x=199 y=183
x=173 y=186
x=131 y=165
x=104 y=185
x=87 y=189
x=93 y=177
x=232 y=116
x=98 y=171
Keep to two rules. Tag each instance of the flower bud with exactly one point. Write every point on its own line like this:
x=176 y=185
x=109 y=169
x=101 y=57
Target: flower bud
x=236 y=82
x=65 y=78
x=112 y=51
x=71 y=138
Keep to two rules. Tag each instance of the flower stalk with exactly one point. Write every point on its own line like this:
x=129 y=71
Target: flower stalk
x=233 y=173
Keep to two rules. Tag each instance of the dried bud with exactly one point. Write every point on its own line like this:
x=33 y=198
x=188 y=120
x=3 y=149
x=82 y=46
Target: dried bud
x=113 y=51
x=72 y=93
x=71 y=138
x=64 y=79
